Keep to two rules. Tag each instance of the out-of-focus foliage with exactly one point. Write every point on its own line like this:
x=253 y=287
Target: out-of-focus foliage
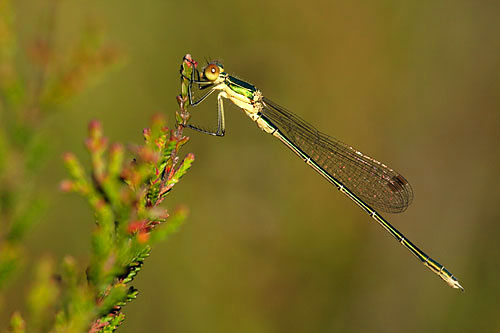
x=26 y=98
x=85 y=64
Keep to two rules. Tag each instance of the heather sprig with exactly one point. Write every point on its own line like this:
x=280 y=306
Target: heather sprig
x=124 y=188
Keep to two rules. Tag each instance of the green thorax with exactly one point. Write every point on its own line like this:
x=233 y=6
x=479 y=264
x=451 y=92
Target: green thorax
x=241 y=87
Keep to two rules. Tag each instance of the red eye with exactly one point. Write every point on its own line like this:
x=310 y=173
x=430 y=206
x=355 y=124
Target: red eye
x=211 y=72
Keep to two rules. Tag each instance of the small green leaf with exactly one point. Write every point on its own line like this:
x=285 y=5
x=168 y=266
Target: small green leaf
x=109 y=323
x=17 y=324
x=116 y=297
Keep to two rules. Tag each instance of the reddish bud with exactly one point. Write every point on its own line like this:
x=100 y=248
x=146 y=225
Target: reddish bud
x=66 y=185
x=146 y=133
x=116 y=148
x=69 y=157
x=147 y=155
x=94 y=126
x=158 y=120
x=100 y=204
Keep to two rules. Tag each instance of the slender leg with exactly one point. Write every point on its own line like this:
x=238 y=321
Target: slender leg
x=221 y=123
x=202 y=98
x=190 y=92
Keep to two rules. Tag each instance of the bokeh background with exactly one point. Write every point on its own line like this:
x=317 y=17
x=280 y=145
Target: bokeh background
x=269 y=246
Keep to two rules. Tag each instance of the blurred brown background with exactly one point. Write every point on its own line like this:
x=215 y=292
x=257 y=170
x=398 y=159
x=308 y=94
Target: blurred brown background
x=270 y=246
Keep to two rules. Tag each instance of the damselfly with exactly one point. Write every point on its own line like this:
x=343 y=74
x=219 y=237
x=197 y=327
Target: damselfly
x=369 y=183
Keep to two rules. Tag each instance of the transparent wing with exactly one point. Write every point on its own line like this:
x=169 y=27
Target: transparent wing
x=373 y=182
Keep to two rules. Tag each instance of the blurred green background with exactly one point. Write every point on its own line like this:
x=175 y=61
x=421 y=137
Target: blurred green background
x=270 y=246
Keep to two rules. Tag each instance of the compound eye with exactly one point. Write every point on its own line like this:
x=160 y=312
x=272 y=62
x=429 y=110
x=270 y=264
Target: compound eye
x=211 y=72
